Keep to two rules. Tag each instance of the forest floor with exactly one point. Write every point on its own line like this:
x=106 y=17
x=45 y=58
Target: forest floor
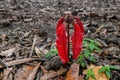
x=27 y=39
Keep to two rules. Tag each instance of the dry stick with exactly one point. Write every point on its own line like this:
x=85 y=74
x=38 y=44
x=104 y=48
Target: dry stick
x=33 y=45
x=16 y=62
x=102 y=42
x=99 y=29
x=32 y=75
x=1 y=48
x=20 y=61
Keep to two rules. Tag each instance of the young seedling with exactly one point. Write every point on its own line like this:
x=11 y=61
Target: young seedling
x=51 y=53
x=89 y=74
x=63 y=37
x=107 y=70
x=80 y=60
x=90 y=46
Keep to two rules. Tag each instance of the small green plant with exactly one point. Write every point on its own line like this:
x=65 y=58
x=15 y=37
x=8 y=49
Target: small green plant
x=90 y=74
x=90 y=46
x=107 y=70
x=81 y=60
x=51 y=52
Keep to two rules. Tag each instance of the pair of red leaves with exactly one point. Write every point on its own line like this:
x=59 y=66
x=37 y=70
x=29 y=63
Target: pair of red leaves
x=62 y=39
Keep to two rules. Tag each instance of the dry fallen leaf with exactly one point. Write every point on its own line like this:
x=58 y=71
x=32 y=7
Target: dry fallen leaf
x=8 y=52
x=73 y=73
x=81 y=77
x=38 y=52
x=51 y=74
x=98 y=76
x=4 y=36
x=23 y=72
x=33 y=73
x=6 y=73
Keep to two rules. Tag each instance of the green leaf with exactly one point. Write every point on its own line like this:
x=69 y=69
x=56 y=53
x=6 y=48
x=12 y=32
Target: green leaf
x=107 y=74
x=107 y=68
x=86 y=53
x=85 y=42
x=92 y=58
x=114 y=67
x=83 y=64
x=97 y=48
x=102 y=70
x=81 y=61
x=80 y=58
x=90 y=74
x=91 y=46
x=51 y=52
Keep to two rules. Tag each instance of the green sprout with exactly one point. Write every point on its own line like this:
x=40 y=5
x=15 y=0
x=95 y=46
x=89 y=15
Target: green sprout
x=107 y=70
x=81 y=61
x=51 y=53
x=90 y=46
x=90 y=74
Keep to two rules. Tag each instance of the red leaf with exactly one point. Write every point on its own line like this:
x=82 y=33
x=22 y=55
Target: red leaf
x=80 y=25
x=61 y=42
x=60 y=21
x=77 y=38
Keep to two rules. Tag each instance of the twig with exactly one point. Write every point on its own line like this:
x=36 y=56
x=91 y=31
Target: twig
x=16 y=62
x=1 y=48
x=33 y=45
x=98 y=30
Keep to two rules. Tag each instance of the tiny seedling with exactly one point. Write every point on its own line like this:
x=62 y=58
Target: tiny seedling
x=107 y=70
x=81 y=60
x=90 y=46
x=89 y=74
x=51 y=53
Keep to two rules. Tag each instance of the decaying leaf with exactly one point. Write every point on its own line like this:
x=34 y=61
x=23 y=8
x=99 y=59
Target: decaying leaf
x=6 y=73
x=4 y=36
x=81 y=77
x=8 y=52
x=98 y=76
x=23 y=72
x=73 y=73
x=33 y=73
x=38 y=52
x=52 y=74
